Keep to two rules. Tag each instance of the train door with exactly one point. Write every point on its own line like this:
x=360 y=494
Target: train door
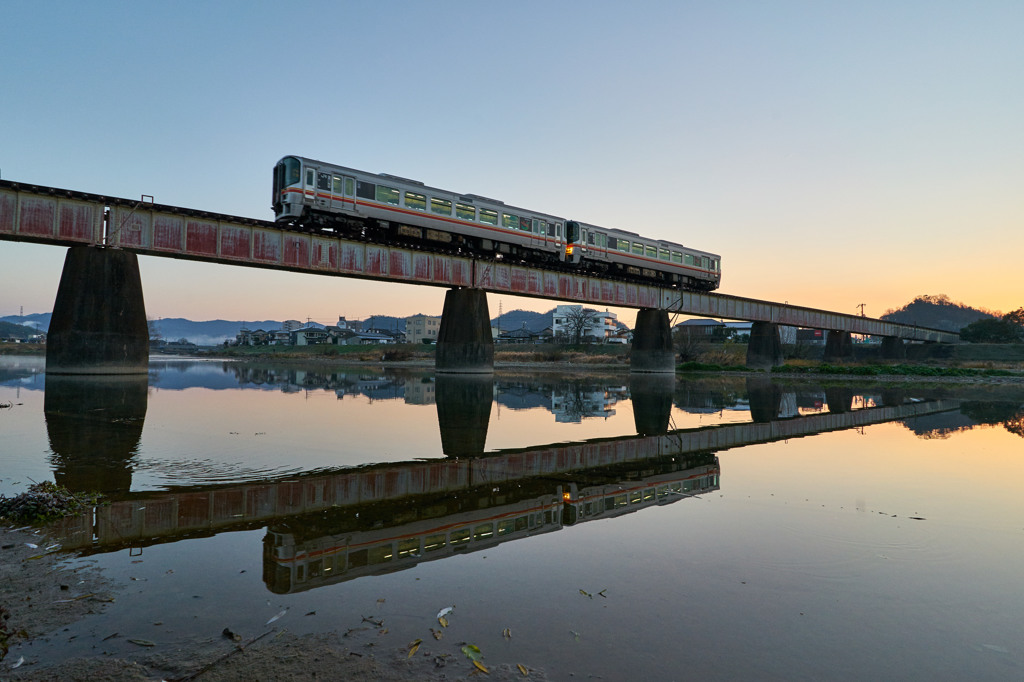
x=539 y=233
x=342 y=192
x=309 y=185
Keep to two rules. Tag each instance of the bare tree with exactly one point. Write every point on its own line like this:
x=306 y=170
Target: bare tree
x=576 y=322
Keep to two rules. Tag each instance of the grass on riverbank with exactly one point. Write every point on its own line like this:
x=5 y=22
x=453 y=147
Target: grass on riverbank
x=44 y=502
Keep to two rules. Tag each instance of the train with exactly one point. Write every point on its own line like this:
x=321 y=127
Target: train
x=295 y=561
x=312 y=195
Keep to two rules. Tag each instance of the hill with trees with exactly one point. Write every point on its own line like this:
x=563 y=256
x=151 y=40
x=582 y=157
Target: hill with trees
x=9 y=330
x=937 y=312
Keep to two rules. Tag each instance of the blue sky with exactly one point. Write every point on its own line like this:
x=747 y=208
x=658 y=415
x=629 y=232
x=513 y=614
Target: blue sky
x=832 y=153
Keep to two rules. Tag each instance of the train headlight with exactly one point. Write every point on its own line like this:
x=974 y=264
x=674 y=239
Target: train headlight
x=568 y=250
x=567 y=497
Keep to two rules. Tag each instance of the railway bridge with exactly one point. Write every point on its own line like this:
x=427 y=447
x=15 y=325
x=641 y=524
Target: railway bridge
x=99 y=319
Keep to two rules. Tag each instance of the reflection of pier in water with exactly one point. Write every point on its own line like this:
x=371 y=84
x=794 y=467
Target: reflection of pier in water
x=146 y=518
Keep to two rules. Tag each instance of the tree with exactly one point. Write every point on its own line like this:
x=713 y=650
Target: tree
x=577 y=319
x=992 y=331
x=154 y=332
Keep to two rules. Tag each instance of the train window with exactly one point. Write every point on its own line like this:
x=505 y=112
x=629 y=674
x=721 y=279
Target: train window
x=381 y=554
x=613 y=243
x=638 y=248
x=336 y=185
x=366 y=190
x=602 y=240
x=387 y=195
x=440 y=206
x=677 y=257
x=488 y=216
x=309 y=177
x=510 y=222
x=483 y=531
x=506 y=527
x=714 y=264
x=590 y=238
x=323 y=181
x=550 y=230
x=349 y=186
x=663 y=254
x=652 y=251
x=357 y=558
x=316 y=568
x=648 y=494
x=689 y=259
x=521 y=523
x=292 y=171
x=459 y=537
x=635 y=497
x=558 y=230
x=704 y=262
x=624 y=245
x=465 y=212
x=433 y=542
x=415 y=201
x=408 y=546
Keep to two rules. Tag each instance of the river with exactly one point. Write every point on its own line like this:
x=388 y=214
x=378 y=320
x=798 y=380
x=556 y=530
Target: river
x=588 y=526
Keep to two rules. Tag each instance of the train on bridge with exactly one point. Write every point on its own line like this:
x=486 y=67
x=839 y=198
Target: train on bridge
x=317 y=196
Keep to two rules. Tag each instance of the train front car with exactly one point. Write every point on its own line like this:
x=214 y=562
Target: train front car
x=287 y=198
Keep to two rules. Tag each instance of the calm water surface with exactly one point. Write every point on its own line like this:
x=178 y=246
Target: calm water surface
x=618 y=527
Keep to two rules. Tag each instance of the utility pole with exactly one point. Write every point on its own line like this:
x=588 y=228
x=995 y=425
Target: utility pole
x=861 y=306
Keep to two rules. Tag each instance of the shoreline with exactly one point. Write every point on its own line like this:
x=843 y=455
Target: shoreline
x=42 y=591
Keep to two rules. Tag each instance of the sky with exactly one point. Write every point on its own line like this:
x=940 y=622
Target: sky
x=833 y=153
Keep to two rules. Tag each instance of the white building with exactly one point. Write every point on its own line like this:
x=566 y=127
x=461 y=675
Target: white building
x=598 y=328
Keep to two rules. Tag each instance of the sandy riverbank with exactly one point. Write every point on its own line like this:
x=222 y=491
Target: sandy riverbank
x=42 y=591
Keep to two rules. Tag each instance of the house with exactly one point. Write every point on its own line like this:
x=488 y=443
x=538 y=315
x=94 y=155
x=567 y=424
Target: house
x=350 y=338
x=702 y=328
x=591 y=325
x=248 y=337
x=422 y=329
x=309 y=336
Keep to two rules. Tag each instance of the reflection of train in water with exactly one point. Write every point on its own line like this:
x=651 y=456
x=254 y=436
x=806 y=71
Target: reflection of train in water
x=293 y=564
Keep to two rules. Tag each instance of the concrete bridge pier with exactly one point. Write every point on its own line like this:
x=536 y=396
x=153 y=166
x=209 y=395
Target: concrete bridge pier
x=652 y=343
x=838 y=346
x=764 y=350
x=839 y=399
x=765 y=399
x=95 y=425
x=464 y=342
x=651 y=395
x=99 y=317
x=463 y=412
x=893 y=348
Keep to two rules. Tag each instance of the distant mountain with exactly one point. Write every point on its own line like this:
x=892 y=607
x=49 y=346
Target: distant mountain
x=208 y=332
x=384 y=323
x=516 y=319
x=937 y=312
x=39 y=321
x=9 y=330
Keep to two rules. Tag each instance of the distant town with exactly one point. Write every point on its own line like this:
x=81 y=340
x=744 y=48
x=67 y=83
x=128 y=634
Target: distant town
x=567 y=324
x=564 y=324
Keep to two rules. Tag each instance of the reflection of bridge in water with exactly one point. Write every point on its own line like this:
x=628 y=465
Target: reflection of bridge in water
x=147 y=518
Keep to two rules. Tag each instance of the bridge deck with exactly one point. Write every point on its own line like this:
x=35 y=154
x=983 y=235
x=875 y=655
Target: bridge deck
x=61 y=217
